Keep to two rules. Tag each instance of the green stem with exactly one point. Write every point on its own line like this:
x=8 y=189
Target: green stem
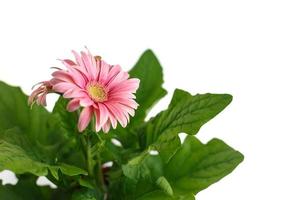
x=101 y=175
x=89 y=159
x=83 y=144
x=94 y=171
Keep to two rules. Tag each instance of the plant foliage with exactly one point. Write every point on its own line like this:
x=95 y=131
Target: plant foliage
x=150 y=164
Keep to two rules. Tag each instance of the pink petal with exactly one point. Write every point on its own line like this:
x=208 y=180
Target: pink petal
x=104 y=69
x=125 y=95
x=55 y=81
x=92 y=70
x=114 y=71
x=103 y=114
x=118 y=79
x=63 y=76
x=78 y=58
x=86 y=102
x=79 y=78
x=68 y=62
x=128 y=102
x=98 y=66
x=130 y=85
x=112 y=118
x=126 y=109
x=97 y=117
x=75 y=93
x=106 y=126
x=42 y=100
x=117 y=114
x=73 y=105
x=64 y=87
x=85 y=118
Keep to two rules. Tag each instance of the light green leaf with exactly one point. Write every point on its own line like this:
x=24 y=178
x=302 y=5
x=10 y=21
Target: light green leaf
x=195 y=166
x=186 y=114
x=164 y=185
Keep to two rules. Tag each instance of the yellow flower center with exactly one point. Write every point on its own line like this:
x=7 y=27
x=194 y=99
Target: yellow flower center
x=97 y=92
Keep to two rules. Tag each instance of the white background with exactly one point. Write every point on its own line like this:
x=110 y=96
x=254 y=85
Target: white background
x=251 y=49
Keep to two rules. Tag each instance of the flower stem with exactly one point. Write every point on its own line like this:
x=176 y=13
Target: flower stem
x=89 y=158
x=94 y=167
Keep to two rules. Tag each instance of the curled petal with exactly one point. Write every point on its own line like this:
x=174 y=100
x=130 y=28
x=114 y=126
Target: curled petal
x=39 y=95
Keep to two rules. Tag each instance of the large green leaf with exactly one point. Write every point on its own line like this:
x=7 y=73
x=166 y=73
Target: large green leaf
x=15 y=112
x=19 y=155
x=31 y=140
x=149 y=71
x=195 y=166
x=192 y=168
x=186 y=113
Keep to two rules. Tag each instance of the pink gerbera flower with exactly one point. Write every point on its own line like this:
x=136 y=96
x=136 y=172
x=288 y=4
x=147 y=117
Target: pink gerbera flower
x=102 y=90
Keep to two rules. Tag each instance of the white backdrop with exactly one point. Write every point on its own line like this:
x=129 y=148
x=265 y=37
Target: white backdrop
x=251 y=49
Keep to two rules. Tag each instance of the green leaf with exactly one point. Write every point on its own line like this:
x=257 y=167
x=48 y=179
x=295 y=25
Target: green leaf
x=192 y=168
x=195 y=166
x=86 y=183
x=186 y=114
x=35 y=141
x=179 y=95
x=65 y=124
x=67 y=120
x=168 y=147
x=149 y=71
x=19 y=155
x=26 y=188
x=144 y=167
x=14 y=112
x=164 y=185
